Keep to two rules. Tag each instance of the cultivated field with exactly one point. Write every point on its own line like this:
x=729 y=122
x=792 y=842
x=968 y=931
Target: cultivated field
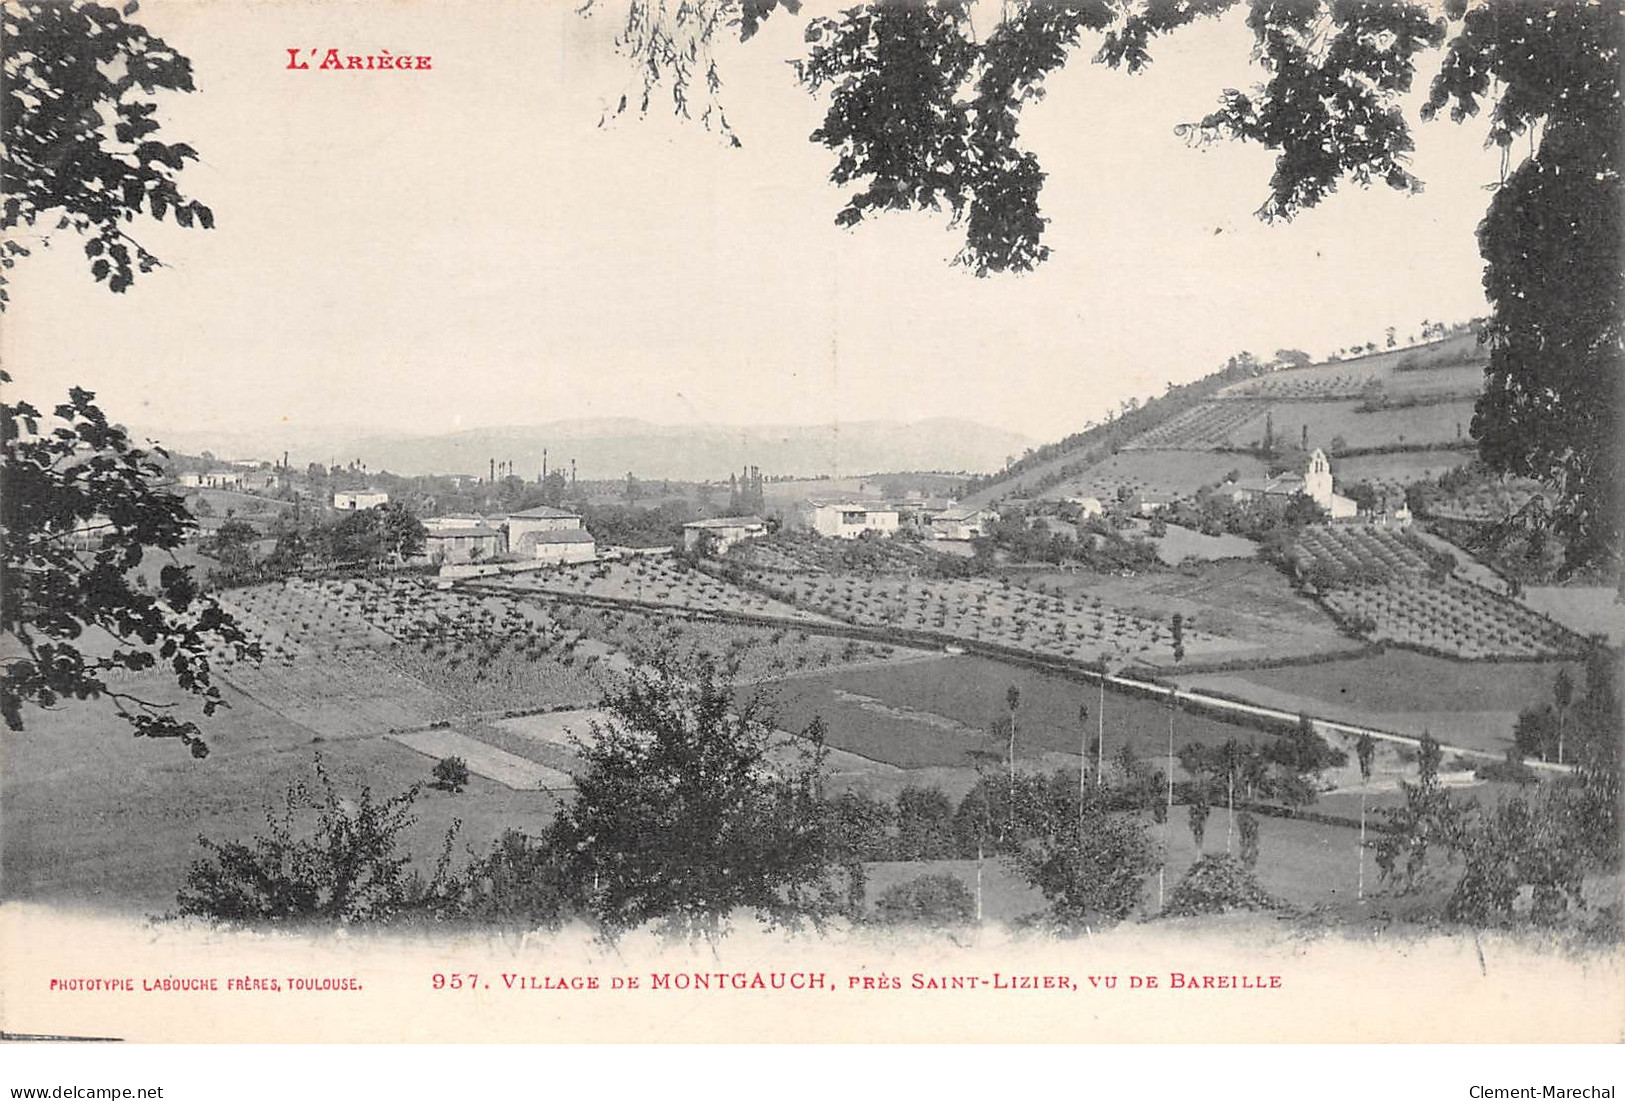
x=1396 y=470
x=1171 y=473
x=1385 y=587
x=405 y=653
x=1472 y=705
x=554 y=736
x=1583 y=609
x=97 y=818
x=792 y=552
x=996 y=612
x=1180 y=543
x=1207 y=426
x=1455 y=361
x=660 y=581
x=356 y=670
x=1414 y=398
x=1244 y=600
x=369 y=656
x=1453 y=617
x=750 y=653
x=1465 y=380
x=1413 y=427
x=508 y=769
x=1306 y=384
x=942 y=714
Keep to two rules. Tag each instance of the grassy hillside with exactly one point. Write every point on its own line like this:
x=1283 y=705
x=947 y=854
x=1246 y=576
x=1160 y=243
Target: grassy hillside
x=1042 y=468
x=1405 y=412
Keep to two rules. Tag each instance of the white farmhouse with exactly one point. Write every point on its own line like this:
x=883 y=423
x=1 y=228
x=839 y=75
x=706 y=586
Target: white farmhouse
x=212 y=479
x=358 y=500
x=850 y=519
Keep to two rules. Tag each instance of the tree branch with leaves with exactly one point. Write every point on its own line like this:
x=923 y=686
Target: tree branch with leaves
x=80 y=135
x=80 y=511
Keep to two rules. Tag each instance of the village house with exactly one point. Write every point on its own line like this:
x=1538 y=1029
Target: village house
x=1390 y=509
x=1087 y=506
x=1054 y=525
x=219 y=478
x=454 y=520
x=962 y=524
x=524 y=527
x=1281 y=488
x=718 y=534
x=471 y=543
x=561 y=545
x=550 y=535
x=1148 y=503
x=262 y=481
x=850 y=519
x=617 y=553
x=359 y=500
x=919 y=511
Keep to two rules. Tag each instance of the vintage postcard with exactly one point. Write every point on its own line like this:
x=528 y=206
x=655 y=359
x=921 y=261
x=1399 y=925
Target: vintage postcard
x=758 y=520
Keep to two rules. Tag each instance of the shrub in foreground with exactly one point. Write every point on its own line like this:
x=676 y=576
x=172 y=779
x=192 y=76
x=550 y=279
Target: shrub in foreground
x=450 y=774
x=1216 y=884
x=323 y=858
x=937 y=901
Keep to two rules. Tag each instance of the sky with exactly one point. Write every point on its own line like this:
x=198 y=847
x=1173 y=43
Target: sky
x=468 y=247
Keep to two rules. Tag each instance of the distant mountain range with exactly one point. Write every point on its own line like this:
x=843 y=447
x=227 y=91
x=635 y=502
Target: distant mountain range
x=609 y=448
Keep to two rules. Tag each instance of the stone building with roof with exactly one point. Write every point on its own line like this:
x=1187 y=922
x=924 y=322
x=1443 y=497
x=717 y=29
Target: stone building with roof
x=526 y=528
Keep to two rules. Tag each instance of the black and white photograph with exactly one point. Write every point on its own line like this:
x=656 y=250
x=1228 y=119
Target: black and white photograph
x=761 y=521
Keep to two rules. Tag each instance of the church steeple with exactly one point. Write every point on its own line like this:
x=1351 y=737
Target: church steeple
x=1317 y=480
